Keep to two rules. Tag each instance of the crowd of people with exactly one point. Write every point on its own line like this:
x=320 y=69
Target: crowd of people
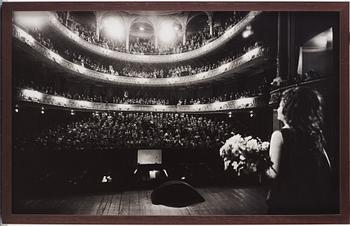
x=143 y=46
x=113 y=131
x=140 y=46
x=146 y=71
x=234 y=95
x=141 y=98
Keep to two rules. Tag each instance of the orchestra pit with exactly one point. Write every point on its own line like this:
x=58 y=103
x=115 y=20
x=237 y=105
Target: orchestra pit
x=160 y=112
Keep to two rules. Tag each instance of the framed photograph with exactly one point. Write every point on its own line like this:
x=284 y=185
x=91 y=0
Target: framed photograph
x=175 y=113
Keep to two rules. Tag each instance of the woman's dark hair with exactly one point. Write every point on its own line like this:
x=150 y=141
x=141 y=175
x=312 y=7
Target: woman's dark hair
x=303 y=112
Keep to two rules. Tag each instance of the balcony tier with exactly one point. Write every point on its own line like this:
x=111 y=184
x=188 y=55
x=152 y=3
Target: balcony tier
x=149 y=59
x=33 y=96
x=255 y=56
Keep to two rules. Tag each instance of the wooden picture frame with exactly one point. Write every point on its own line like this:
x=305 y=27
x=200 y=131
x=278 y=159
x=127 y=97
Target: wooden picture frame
x=9 y=217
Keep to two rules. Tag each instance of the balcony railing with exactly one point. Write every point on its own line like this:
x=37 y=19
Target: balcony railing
x=33 y=96
x=322 y=83
x=172 y=58
x=256 y=54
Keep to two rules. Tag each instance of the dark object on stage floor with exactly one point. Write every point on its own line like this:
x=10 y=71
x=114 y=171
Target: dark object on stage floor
x=176 y=194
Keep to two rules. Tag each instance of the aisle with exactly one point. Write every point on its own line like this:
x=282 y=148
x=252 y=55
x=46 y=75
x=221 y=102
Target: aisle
x=219 y=201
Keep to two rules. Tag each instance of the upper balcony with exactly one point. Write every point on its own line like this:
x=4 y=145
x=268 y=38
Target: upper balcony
x=170 y=57
x=255 y=56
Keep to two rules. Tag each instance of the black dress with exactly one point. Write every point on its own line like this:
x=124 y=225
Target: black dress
x=303 y=183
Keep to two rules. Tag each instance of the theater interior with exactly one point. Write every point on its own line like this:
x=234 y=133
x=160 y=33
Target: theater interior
x=131 y=112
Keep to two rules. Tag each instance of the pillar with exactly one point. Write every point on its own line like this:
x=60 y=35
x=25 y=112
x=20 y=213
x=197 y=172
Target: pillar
x=67 y=18
x=210 y=23
x=278 y=69
x=155 y=25
x=156 y=40
x=98 y=28
x=98 y=16
x=292 y=65
x=285 y=57
x=184 y=30
x=127 y=38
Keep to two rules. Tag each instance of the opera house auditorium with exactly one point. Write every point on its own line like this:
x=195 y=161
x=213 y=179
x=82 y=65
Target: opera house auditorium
x=163 y=112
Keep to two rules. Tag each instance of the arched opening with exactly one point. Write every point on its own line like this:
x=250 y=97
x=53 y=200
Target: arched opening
x=197 y=31
x=141 y=36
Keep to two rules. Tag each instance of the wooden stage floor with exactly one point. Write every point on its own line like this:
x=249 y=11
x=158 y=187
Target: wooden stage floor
x=218 y=201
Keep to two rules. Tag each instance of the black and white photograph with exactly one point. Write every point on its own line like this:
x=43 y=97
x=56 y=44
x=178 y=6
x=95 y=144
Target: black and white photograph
x=176 y=113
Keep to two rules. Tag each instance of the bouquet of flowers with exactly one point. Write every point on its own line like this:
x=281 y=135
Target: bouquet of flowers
x=245 y=155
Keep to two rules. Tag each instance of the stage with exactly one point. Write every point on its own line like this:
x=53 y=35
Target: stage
x=218 y=201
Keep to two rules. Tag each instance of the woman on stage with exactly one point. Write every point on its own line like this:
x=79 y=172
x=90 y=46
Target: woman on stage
x=301 y=169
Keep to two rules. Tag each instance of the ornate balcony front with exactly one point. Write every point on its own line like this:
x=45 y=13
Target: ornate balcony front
x=33 y=96
x=149 y=59
x=252 y=57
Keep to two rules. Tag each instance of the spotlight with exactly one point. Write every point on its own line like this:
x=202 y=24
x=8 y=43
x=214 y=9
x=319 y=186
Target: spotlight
x=247 y=32
x=42 y=112
x=166 y=33
x=114 y=28
x=31 y=19
x=16 y=108
x=72 y=112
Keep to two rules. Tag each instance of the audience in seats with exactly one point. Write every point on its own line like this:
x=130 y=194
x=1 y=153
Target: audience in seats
x=115 y=131
x=144 y=71
x=143 y=98
x=141 y=46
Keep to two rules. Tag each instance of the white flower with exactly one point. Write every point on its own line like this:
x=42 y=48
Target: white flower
x=235 y=149
x=235 y=139
x=223 y=150
x=227 y=163
x=252 y=144
x=265 y=145
x=235 y=165
x=246 y=139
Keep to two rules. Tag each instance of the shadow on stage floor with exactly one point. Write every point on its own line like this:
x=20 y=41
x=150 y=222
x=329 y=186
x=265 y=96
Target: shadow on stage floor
x=225 y=200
